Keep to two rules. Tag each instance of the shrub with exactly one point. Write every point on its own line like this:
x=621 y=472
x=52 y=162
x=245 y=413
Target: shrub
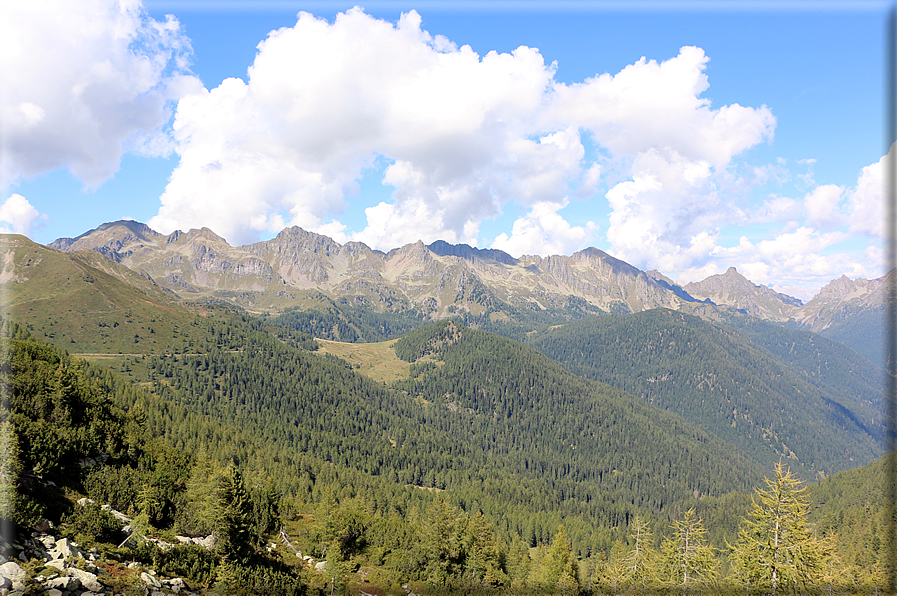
x=190 y=561
x=92 y=522
x=256 y=580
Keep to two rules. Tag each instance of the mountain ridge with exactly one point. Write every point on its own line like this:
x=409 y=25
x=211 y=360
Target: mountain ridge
x=441 y=280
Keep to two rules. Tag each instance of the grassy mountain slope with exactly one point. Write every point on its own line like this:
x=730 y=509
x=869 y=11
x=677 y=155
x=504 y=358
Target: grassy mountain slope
x=84 y=302
x=715 y=377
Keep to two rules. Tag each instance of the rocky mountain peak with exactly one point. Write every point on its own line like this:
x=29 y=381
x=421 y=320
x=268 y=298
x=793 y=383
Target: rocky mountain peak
x=112 y=234
x=733 y=289
x=465 y=251
x=841 y=288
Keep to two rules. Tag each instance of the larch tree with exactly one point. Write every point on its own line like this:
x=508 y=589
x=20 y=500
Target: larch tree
x=640 y=564
x=775 y=547
x=686 y=556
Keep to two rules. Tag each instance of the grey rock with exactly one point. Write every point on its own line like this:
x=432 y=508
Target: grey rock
x=150 y=580
x=12 y=571
x=87 y=579
x=64 y=583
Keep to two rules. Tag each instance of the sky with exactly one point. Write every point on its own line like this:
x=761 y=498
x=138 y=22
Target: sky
x=684 y=137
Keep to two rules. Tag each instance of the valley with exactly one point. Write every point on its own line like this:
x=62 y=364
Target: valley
x=446 y=416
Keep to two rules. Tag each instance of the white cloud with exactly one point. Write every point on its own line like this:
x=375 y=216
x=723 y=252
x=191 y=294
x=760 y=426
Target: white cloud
x=465 y=133
x=650 y=105
x=866 y=202
x=18 y=216
x=324 y=99
x=543 y=231
x=84 y=82
x=777 y=209
x=822 y=205
x=800 y=258
x=665 y=216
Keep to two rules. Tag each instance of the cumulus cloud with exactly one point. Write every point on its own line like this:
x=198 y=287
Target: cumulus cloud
x=464 y=133
x=543 y=231
x=656 y=106
x=866 y=206
x=800 y=258
x=800 y=252
x=667 y=214
x=18 y=216
x=822 y=205
x=84 y=82
x=323 y=100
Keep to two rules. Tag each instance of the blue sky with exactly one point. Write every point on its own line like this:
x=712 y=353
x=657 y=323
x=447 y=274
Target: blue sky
x=683 y=137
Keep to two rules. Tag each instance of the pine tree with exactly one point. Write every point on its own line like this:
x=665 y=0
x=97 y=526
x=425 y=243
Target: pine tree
x=482 y=558
x=687 y=557
x=441 y=542
x=234 y=533
x=775 y=547
x=10 y=468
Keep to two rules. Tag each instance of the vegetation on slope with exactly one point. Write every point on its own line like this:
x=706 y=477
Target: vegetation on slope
x=718 y=379
x=165 y=463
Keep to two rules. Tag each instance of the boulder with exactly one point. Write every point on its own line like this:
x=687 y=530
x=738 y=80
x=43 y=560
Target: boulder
x=150 y=580
x=66 y=550
x=64 y=583
x=87 y=579
x=44 y=525
x=12 y=571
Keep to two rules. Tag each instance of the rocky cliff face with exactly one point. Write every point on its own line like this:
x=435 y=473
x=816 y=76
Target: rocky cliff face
x=441 y=279
x=843 y=295
x=438 y=279
x=735 y=290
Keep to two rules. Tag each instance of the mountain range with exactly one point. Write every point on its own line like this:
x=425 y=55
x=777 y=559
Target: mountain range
x=647 y=397
x=737 y=359
x=441 y=279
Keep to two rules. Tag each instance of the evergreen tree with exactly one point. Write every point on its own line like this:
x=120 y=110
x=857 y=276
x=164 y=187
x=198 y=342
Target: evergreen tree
x=562 y=570
x=234 y=533
x=482 y=558
x=687 y=557
x=640 y=564
x=200 y=509
x=775 y=547
x=441 y=542
x=336 y=570
x=10 y=468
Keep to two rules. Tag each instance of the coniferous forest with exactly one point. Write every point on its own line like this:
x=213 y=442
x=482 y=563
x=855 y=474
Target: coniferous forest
x=488 y=468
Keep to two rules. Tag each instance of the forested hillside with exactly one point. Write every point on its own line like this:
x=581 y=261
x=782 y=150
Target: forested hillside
x=795 y=396
x=432 y=483
x=481 y=418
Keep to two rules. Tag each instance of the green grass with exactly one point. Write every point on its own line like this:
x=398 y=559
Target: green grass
x=377 y=361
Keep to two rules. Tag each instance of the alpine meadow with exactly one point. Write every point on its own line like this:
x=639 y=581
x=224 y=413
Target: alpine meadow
x=444 y=300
